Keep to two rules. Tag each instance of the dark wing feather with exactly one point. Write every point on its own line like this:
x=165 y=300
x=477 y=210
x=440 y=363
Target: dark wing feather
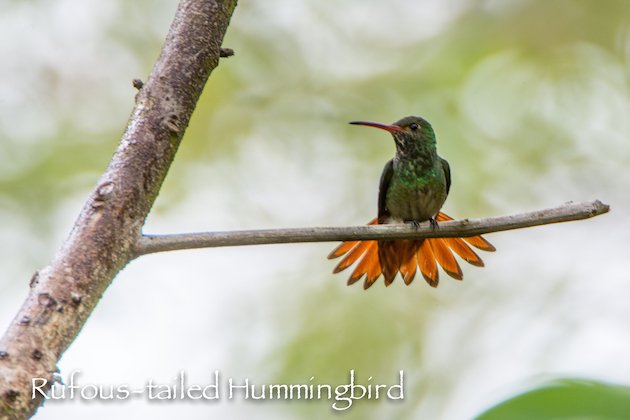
x=447 y=173
x=386 y=178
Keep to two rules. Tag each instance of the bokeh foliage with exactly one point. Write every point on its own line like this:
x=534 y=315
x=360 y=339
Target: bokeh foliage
x=529 y=100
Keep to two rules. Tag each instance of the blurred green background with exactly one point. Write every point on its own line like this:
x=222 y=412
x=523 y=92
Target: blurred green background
x=530 y=101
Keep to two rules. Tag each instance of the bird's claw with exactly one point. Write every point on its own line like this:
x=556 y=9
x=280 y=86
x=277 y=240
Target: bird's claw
x=432 y=222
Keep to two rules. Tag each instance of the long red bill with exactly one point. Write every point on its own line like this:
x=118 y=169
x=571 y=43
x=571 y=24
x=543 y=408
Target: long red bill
x=391 y=128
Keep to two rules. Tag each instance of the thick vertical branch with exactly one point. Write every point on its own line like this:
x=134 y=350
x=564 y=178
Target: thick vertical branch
x=63 y=294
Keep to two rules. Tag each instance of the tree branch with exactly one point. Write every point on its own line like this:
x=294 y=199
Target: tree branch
x=148 y=244
x=63 y=294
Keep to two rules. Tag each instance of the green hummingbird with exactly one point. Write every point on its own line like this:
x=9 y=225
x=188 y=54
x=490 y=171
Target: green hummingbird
x=413 y=188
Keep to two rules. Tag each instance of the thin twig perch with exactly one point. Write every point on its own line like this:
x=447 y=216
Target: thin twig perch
x=148 y=244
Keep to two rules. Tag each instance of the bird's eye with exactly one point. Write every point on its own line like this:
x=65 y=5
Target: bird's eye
x=413 y=126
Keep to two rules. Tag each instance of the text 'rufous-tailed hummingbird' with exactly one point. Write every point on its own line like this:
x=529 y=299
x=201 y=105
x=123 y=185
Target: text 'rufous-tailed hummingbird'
x=413 y=188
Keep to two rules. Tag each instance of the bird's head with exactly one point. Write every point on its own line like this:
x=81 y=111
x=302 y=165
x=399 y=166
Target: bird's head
x=409 y=132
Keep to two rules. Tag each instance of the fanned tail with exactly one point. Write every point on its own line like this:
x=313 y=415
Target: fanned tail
x=389 y=258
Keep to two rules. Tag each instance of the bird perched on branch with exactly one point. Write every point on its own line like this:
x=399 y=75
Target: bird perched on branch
x=413 y=188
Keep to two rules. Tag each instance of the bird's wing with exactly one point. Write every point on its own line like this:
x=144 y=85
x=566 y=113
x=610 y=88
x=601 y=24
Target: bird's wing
x=447 y=173
x=386 y=177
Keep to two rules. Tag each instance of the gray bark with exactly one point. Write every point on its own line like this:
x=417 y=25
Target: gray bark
x=63 y=294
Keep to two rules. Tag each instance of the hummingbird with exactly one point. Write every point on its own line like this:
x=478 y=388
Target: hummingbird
x=413 y=188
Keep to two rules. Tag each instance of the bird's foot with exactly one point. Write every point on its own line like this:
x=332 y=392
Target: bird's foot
x=415 y=224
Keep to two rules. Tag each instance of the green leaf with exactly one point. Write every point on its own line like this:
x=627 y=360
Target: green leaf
x=566 y=399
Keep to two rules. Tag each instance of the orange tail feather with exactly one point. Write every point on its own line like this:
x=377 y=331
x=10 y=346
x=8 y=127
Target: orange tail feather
x=374 y=270
x=445 y=257
x=463 y=250
x=426 y=262
x=389 y=256
x=352 y=255
x=369 y=263
x=341 y=249
x=407 y=256
x=409 y=265
x=481 y=243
